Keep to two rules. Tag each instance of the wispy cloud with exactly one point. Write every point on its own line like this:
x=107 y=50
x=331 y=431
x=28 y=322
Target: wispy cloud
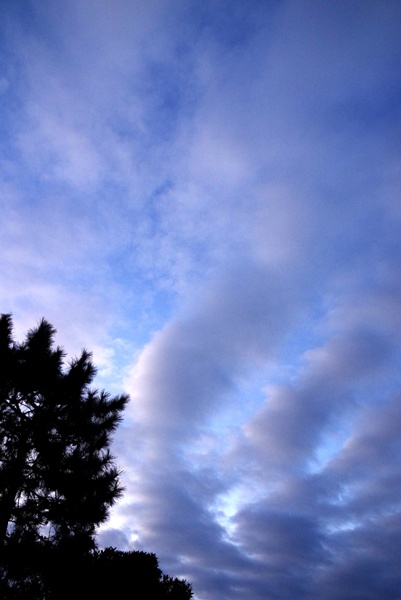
x=207 y=197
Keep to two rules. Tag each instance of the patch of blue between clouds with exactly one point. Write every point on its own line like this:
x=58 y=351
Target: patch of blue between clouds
x=207 y=196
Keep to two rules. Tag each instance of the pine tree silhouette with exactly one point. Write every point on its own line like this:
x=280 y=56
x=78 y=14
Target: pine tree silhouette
x=58 y=478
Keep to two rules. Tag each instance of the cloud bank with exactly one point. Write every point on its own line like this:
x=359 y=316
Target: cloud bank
x=208 y=197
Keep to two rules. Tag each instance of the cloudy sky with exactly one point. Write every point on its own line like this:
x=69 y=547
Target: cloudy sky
x=206 y=194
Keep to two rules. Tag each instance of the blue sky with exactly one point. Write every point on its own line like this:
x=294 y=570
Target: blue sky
x=207 y=196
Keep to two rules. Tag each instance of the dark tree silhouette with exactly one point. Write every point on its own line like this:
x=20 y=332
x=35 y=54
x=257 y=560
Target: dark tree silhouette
x=131 y=575
x=58 y=478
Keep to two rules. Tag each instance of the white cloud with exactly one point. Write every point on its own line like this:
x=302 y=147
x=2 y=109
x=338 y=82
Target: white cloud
x=213 y=190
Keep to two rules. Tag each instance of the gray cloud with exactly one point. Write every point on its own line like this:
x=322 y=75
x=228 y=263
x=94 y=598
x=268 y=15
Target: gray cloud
x=215 y=190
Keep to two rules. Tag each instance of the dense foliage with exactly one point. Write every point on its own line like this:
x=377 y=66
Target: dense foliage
x=58 y=479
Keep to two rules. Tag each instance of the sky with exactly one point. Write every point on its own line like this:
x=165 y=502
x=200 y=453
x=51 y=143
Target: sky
x=206 y=195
